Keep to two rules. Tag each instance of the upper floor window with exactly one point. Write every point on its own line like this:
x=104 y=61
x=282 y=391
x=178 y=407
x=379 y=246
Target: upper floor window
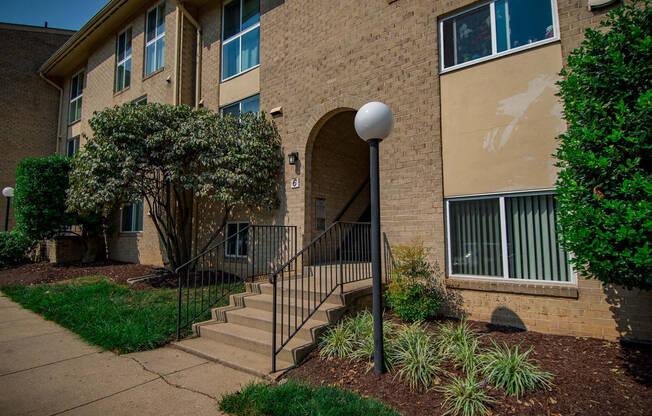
x=76 y=88
x=251 y=104
x=123 y=61
x=131 y=220
x=72 y=146
x=494 y=29
x=241 y=37
x=155 y=39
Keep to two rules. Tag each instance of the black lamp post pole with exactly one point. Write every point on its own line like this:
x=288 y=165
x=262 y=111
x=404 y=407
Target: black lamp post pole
x=7 y=214
x=379 y=361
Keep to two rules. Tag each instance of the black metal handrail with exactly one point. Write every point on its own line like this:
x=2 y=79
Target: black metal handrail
x=339 y=255
x=223 y=269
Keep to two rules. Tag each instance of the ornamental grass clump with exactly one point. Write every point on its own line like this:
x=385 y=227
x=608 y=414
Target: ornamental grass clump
x=512 y=371
x=465 y=354
x=452 y=335
x=361 y=328
x=466 y=397
x=337 y=342
x=416 y=357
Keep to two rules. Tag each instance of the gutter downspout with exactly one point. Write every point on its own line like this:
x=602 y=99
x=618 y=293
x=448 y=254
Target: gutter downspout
x=177 y=52
x=58 y=145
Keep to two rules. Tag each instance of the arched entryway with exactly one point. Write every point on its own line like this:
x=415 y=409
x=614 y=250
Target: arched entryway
x=337 y=173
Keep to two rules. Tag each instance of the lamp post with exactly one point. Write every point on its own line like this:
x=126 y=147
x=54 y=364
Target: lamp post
x=8 y=192
x=373 y=123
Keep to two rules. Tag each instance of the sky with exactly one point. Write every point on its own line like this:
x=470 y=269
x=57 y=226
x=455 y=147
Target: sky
x=61 y=14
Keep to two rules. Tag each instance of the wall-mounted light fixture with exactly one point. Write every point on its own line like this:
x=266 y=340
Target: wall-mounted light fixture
x=293 y=158
x=598 y=4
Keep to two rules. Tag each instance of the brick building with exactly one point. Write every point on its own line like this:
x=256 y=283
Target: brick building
x=28 y=103
x=467 y=169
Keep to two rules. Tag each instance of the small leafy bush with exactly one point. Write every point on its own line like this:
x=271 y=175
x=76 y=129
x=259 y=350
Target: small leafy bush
x=299 y=399
x=416 y=357
x=513 y=371
x=415 y=292
x=466 y=397
x=337 y=342
x=14 y=247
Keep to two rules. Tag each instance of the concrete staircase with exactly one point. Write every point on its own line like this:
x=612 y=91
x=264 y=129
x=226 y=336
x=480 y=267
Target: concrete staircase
x=240 y=335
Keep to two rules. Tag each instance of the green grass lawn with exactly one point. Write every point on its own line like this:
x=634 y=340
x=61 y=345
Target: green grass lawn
x=298 y=399
x=104 y=313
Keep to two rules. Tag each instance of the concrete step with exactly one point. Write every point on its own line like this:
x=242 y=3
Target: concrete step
x=341 y=297
x=256 y=340
x=262 y=320
x=240 y=359
x=327 y=311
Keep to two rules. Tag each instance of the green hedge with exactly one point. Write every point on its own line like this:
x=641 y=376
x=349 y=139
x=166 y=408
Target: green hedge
x=14 y=247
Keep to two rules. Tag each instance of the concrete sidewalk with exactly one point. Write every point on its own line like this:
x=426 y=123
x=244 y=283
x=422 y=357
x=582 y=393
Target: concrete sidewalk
x=47 y=370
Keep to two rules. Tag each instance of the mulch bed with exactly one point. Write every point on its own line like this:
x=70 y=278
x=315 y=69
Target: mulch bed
x=591 y=377
x=35 y=273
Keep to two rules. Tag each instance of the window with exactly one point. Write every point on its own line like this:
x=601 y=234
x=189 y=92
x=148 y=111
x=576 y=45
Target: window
x=141 y=100
x=132 y=218
x=237 y=239
x=155 y=39
x=123 y=61
x=496 y=28
x=76 y=87
x=320 y=213
x=249 y=104
x=72 y=146
x=241 y=37
x=509 y=237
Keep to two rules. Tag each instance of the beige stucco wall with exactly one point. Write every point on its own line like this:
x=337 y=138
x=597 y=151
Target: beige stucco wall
x=499 y=123
x=240 y=87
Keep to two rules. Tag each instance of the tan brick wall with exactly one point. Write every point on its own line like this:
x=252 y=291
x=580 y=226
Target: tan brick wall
x=313 y=67
x=28 y=104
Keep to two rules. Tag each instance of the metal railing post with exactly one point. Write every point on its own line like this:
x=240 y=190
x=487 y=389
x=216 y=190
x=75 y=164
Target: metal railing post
x=274 y=326
x=341 y=279
x=179 y=307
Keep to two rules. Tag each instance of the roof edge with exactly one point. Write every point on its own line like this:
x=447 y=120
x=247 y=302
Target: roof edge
x=33 y=28
x=82 y=33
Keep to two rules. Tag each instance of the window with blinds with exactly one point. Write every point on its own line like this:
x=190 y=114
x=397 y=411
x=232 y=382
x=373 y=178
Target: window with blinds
x=510 y=237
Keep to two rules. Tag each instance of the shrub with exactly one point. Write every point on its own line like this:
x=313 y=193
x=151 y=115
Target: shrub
x=466 y=397
x=14 y=247
x=605 y=157
x=40 y=203
x=414 y=293
x=298 y=399
x=416 y=357
x=337 y=342
x=513 y=371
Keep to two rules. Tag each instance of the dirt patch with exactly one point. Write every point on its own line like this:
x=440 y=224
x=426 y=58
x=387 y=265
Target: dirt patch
x=592 y=377
x=35 y=273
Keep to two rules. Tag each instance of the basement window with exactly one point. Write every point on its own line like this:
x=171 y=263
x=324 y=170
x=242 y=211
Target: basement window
x=237 y=244
x=511 y=237
x=494 y=29
x=131 y=218
x=251 y=104
x=72 y=146
x=76 y=88
x=123 y=61
x=240 y=37
x=155 y=39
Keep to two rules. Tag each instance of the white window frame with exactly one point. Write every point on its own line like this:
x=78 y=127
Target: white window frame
x=239 y=225
x=233 y=38
x=78 y=96
x=75 y=146
x=124 y=60
x=153 y=41
x=132 y=206
x=503 y=237
x=494 y=47
x=239 y=103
